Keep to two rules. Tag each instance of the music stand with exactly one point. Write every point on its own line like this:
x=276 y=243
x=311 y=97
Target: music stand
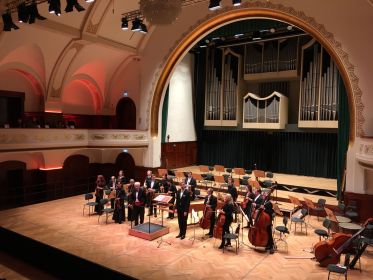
x=163 y=202
x=195 y=219
x=243 y=215
x=239 y=171
x=160 y=241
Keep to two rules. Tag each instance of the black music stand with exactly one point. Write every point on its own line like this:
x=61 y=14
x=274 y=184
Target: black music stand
x=160 y=241
x=243 y=217
x=162 y=201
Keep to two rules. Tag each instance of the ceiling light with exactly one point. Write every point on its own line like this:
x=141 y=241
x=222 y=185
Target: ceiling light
x=23 y=14
x=238 y=35
x=34 y=13
x=124 y=23
x=70 y=4
x=89 y=1
x=8 y=22
x=236 y=3
x=272 y=30
x=289 y=27
x=136 y=25
x=214 y=5
x=55 y=7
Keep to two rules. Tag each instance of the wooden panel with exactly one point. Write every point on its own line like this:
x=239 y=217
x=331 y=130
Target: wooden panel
x=364 y=204
x=179 y=154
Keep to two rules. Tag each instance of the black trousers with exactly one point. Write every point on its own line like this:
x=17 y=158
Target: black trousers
x=270 y=237
x=119 y=214
x=182 y=220
x=212 y=223
x=138 y=212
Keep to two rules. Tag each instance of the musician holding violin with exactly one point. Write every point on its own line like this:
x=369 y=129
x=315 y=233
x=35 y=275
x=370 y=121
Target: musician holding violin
x=227 y=211
x=210 y=203
x=119 y=215
x=246 y=204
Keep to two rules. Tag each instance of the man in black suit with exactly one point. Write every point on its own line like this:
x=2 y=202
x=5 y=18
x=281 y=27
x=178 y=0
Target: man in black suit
x=137 y=201
x=152 y=187
x=211 y=201
x=232 y=190
x=191 y=184
x=182 y=206
x=171 y=191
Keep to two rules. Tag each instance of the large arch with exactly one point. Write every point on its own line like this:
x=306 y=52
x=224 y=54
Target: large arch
x=126 y=114
x=271 y=11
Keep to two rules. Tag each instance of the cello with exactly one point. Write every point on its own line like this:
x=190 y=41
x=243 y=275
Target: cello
x=329 y=251
x=258 y=235
x=218 y=229
x=205 y=221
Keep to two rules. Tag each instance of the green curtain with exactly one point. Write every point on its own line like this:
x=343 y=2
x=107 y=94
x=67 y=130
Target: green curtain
x=165 y=116
x=343 y=135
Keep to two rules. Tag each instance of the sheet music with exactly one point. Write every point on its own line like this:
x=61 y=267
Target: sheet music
x=195 y=216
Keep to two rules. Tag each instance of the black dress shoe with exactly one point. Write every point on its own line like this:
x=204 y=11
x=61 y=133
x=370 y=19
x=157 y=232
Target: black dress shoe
x=182 y=237
x=272 y=251
x=179 y=235
x=210 y=236
x=221 y=246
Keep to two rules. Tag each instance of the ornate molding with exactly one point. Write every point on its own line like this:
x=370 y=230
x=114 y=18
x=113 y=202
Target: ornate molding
x=258 y=9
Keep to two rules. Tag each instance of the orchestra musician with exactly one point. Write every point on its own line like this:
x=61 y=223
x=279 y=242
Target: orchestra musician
x=99 y=192
x=182 y=206
x=191 y=184
x=131 y=187
x=119 y=215
x=152 y=187
x=232 y=190
x=171 y=190
x=112 y=186
x=227 y=210
x=121 y=177
x=138 y=198
x=148 y=177
x=212 y=202
x=247 y=203
x=163 y=185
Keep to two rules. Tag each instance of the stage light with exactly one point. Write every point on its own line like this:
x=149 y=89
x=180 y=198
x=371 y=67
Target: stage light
x=8 y=22
x=144 y=29
x=214 y=5
x=55 y=7
x=71 y=4
x=136 y=25
x=89 y=1
x=34 y=13
x=23 y=14
x=236 y=3
x=124 y=23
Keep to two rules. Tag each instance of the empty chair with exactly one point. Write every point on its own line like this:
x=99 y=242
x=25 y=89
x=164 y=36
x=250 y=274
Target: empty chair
x=233 y=236
x=351 y=210
x=298 y=218
x=283 y=230
x=219 y=180
x=322 y=232
x=87 y=198
x=337 y=269
x=317 y=208
x=219 y=168
x=107 y=211
x=239 y=171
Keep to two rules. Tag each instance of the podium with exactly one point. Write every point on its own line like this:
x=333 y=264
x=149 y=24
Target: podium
x=149 y=230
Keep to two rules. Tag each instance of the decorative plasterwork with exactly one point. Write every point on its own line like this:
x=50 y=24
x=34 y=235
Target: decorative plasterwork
x=365 y=153
x=258 y=9
x=24 y=139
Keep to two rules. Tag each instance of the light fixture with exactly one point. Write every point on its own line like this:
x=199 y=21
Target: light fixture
x=34 y=13
x=8 y=22
x=214 y=5
x=55 y=7
x=256 y=35
x=144 y=29
x=272 y=30
x=70 y=4
x=89 y=1
x=23 y=14
x=289 y=27
x=136 y=25
x=124 y=23
x=238 y=35
x=236 y=3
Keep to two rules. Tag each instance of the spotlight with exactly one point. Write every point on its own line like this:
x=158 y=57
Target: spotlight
x=236 y=3
x=8 y=22
x=55 y=7
x=89 y=1
x=34 y=13
x=124 y=23
x=70 y=4
x=23 y=14
x=214 y=5
x=272 y=30
x=289 y=27
x=136 y=25
x=144 y=29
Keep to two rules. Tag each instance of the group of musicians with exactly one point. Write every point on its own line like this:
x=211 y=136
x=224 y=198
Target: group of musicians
x=139 y=197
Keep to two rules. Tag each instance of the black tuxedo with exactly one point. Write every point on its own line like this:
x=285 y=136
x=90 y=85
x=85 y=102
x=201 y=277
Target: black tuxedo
x=138 y=206
x=119 y=210
x=213 y=202
x=228 y=210
x=150 y=196
x=233 y=192
x=258 y=201
x=171 y=190
x=182 y=206
x=192 y=184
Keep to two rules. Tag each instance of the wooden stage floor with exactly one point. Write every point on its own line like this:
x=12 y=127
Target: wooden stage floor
x=60 y=223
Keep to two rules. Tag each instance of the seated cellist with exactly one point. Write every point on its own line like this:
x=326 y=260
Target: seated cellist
x=211 y=201
x=227 y=210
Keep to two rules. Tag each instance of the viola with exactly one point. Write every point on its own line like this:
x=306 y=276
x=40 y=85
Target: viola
x=205 y=221
x=218 y=229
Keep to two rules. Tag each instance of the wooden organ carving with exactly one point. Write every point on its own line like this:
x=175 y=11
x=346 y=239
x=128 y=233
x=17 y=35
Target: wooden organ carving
x=270 y=112
x=319 y=88
x=222 y=76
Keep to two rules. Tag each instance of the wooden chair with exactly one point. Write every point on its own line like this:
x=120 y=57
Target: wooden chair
x=239 y=171
x=219 y=179
x=254 y=184
x=201 y=180
x=204 y=169
x=219 y=168
x=162 y=171
x=259 y=174
x=312 y=206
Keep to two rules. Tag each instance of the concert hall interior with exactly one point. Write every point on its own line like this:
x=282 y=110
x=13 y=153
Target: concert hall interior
x=120 y=121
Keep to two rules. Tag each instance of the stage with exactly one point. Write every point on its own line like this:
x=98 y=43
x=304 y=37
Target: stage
x=61 y=225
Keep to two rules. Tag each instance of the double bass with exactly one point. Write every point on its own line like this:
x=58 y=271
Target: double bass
x=258 y=235
x=329 y=251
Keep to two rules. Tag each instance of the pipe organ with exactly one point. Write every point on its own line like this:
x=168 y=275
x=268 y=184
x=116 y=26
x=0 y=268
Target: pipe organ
x=319 y=88
x=223 y=72
x=269 y=112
